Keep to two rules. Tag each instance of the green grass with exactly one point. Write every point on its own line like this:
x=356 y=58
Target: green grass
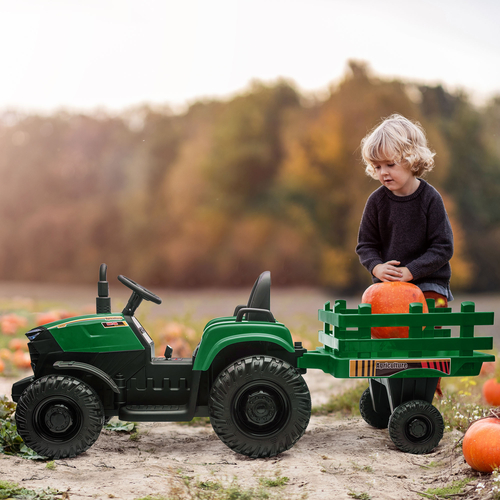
x=153 y=497
x=462 y=402
x=11 y=442
x=278 y=481
x=197 y=422
x=454 y=488
x=13 y=490
x=119 y=426
x=362 y=468
x=359 y=496
x=268 y=489
x=346 y=403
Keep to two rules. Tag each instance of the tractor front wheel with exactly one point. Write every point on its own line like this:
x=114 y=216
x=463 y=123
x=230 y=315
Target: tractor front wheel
x=59 y=416
x=260 y=406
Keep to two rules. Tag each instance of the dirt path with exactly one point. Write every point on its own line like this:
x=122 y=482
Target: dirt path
x=336 y=458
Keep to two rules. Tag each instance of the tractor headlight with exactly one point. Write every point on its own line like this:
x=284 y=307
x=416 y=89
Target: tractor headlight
x=33 y=334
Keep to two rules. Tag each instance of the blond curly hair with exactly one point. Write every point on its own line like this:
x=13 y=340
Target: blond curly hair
x=397 y=139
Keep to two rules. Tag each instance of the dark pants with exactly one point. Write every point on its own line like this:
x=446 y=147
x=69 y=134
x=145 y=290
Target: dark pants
x=441 y=301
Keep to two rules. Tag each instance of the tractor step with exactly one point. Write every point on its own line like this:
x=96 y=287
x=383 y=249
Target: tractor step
x=158 y=413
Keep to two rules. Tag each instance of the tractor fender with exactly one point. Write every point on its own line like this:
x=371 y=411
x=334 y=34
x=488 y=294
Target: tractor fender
x=84 y=367
x=19 y=387
x=205 y=356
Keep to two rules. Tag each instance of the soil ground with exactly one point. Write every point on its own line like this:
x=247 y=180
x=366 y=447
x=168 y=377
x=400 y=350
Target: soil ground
x=337 y=457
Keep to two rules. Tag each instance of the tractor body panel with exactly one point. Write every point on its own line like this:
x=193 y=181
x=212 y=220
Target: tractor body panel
x=95 y=333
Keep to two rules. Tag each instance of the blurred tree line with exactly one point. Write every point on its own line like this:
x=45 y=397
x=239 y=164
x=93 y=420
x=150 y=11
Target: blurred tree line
x=269 y=179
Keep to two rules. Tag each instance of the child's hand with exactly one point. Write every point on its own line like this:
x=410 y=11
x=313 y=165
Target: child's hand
x=388 y=271
x=407 y=276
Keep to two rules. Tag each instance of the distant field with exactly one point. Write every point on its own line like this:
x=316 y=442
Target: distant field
x=296 y=307
x=291 y=305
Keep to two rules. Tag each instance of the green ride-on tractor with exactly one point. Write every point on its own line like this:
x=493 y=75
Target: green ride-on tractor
x=246 y=373
x=87 y=369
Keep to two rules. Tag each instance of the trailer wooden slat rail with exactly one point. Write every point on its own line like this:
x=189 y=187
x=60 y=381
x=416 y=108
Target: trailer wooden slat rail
x=430 y=350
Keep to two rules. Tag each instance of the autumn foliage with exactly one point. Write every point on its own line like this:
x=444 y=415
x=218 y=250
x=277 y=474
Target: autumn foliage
x=268 y=179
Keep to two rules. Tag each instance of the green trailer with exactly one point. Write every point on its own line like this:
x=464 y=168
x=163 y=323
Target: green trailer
x=245 y=374
x=403 y=373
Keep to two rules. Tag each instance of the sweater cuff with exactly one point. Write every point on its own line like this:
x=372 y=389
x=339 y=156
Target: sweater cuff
x=414 y=270
x=371 y=266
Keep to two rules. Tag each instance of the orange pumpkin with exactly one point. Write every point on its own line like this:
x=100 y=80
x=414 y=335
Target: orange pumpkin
x=21 y=359
x=392 y=297
x=5 y=354
x=47 y=317
x=18 y=344
x=481 y=444
x=2 y=366
x=491 y=392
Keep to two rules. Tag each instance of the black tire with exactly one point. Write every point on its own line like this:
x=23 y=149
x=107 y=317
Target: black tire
x=379 y=420
x=416 y=427
x=260 y=406
x=59 y=416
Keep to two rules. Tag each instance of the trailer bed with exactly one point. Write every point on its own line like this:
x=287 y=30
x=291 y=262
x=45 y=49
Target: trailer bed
x=430 y=350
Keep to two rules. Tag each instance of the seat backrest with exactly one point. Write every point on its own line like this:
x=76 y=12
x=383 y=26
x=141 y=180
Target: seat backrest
x=260 y=297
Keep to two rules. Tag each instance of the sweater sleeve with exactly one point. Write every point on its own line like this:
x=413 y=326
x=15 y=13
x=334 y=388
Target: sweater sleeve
x=369 y=245
x=440 y=238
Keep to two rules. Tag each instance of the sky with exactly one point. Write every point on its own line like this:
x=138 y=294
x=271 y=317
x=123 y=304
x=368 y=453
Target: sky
x=116 y=54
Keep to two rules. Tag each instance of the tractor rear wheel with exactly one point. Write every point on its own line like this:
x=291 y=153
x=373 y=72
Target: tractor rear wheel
x=260 y=406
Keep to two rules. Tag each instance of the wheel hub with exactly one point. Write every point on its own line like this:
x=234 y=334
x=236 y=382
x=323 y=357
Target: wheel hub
x=418 y=428
x=260 y=408
x=58 y=419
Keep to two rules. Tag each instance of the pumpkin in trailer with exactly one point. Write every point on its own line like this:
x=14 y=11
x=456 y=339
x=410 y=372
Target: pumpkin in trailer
x=391 y=297
x=481 y=444
x=491 y=392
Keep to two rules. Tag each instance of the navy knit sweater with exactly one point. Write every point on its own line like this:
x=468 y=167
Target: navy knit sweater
x=414 y=230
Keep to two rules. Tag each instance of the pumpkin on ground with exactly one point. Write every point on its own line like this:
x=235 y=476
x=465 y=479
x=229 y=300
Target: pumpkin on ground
x=5 y=354
x=491 y=392
x=21 y=359
x=47 y=317
x=392 y=297
x=481 y=444
x=18 y=344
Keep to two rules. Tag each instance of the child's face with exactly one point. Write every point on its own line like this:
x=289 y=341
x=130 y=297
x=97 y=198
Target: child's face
x=396 y=178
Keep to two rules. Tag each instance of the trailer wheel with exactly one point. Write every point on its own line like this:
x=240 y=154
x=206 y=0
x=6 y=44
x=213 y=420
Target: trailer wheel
x=379 y=420
x=59 y=416
x=260 y=406
x=416 y=427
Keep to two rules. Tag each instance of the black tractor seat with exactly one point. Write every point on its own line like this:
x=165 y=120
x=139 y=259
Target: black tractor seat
x=259 y=302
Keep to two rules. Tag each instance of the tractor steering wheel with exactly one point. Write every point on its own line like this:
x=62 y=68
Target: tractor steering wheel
x=142 y=292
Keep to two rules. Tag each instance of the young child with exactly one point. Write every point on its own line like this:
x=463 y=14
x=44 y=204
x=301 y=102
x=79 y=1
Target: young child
x=405 y=233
